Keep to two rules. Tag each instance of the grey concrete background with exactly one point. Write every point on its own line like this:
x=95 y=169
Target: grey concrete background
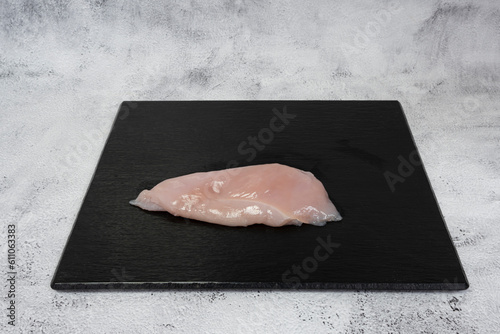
x=65 y=66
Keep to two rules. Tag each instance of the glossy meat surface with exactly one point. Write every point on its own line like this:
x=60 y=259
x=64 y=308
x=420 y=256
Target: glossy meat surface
x=270 y=194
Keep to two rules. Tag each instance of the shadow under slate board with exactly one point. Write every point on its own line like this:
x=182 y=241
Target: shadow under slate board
x=392 y=236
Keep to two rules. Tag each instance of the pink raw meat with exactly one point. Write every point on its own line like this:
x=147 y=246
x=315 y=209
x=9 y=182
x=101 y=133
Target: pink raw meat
x=270 y=194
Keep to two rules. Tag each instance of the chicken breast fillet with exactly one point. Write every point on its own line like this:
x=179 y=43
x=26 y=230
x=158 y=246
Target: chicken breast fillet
x=270 y=194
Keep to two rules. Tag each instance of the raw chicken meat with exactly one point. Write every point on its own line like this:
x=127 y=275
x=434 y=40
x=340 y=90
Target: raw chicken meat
x=270 y=194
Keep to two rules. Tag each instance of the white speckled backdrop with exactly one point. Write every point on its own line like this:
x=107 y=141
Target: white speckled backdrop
x=65 y=66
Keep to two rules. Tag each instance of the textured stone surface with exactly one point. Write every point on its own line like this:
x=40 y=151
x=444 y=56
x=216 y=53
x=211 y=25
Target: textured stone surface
x=65 y=66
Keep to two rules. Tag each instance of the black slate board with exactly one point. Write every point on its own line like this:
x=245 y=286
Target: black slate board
x=390 y=238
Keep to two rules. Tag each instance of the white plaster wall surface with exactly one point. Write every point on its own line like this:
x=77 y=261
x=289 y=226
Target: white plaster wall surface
x=65 y=66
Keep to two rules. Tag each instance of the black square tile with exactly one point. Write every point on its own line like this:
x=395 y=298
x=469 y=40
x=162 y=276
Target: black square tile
x=392 y=236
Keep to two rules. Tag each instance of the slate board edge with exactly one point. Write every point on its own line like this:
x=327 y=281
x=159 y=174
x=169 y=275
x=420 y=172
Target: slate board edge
x=99 y=286
x=466 y=281
x=53 y=283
